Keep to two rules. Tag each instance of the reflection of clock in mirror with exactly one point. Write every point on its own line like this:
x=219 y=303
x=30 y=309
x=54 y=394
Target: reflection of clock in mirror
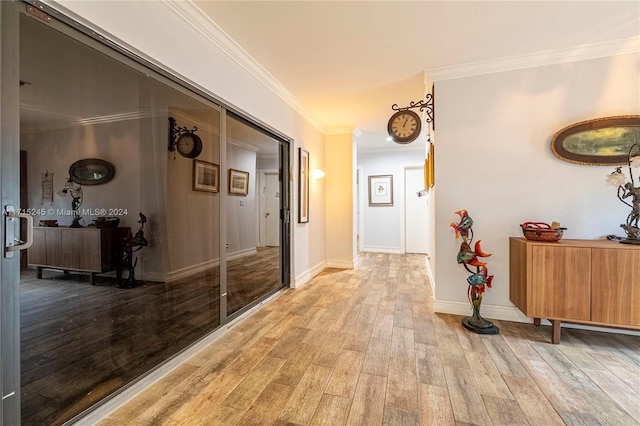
x=404 y=126
x=185 y=141
x=189 y=145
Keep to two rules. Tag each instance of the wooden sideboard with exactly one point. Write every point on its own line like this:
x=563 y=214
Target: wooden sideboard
x=594 y=282
x=92 y=250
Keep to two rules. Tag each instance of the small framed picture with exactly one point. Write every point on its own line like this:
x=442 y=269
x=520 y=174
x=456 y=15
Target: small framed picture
x=238 y=182
x=381 y=190
x=206 y=176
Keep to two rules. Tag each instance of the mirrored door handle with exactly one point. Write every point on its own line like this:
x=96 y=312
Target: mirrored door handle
x=13 y=244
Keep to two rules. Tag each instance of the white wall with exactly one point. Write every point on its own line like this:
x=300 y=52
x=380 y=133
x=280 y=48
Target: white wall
x=207 y=64
x=242 y=210
x=193 y=217
x=383 y=225
x=341 y=250
x=493 y=158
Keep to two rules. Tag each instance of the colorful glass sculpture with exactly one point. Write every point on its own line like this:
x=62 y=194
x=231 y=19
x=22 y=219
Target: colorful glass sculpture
x=479 y=279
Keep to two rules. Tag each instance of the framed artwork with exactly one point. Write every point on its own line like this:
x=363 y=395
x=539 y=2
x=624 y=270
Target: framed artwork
x=303 y=186
x=381 y=190
x=206 y=176
x=600 y=142
x=429 y=173
x=238 y=182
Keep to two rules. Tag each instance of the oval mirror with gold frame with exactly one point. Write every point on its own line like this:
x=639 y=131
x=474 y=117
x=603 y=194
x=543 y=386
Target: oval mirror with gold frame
x=91 y=171
x=600 y=142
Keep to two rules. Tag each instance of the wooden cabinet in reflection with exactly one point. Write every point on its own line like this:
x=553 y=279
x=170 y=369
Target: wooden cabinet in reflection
x=92 y=250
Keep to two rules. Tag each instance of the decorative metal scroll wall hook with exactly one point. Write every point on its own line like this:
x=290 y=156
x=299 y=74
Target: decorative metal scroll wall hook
x=175 y=132
x=426 y=104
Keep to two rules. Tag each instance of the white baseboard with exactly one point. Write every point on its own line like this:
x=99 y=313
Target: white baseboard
x=511 y=313
x=190 y=270
x=306 y=276
x=342 y=264
x=200 y=267
x=242 y=253
x=504 y=313
x=377 y=249
x=432 y=281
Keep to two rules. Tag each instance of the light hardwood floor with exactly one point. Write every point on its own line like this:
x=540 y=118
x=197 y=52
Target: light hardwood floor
x=364 y=347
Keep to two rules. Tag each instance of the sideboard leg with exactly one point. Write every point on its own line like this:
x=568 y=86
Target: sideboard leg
x=92 y=278
x=536 y=321
x=555 y=331
x=39 y=272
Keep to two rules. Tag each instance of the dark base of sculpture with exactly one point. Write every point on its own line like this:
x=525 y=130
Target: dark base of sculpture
x=630 y=241
x=483 y=328
x=476 y=323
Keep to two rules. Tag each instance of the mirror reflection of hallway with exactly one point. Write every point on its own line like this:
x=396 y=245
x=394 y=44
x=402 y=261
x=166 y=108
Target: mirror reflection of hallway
x=272 y=210
x=253 y=221
x=79 y=342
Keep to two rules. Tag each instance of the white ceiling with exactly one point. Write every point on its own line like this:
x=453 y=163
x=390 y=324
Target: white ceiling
x=347 y=62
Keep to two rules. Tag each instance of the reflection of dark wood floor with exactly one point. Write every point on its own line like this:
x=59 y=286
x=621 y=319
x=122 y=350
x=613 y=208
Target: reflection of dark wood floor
x=81 y=342
x=250 y=277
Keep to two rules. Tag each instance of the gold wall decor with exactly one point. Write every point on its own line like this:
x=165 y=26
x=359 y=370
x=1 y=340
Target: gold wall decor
x=429 y=169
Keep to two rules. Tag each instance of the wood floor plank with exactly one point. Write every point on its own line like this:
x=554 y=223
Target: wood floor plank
x=568 y=405
x=345 y=374
x=332 y=410
x=377 y=357
x=295 y=367
x=506 y=361
x=466 y=400
x=424 y=331
x=398 y=417
x=487 y=375
x=435 y=405
x=330 y=348
x=367 y=407
x=624 y=396
x=253 y=383
x=504 y=411
x=402 y=382
x=188 y=404
x=451 y=352
x=306 y=395
x=252 y=356
x=267 y=407
x=403 y=315
x=429 y=368
x=215 y=415
x=532 y=402
x=626 y=372
x=383 y=326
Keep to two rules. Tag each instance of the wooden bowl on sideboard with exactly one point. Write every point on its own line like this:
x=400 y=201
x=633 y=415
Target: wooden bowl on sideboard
x=540 y=231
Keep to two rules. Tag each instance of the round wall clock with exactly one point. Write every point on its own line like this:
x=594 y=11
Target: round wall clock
x=189 y=145
x=404 y=126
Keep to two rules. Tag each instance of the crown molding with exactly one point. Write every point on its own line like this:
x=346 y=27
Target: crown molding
x=343 y=130
x=198 y=20
x=391 y=148
x=68 y=120
x=538 y=59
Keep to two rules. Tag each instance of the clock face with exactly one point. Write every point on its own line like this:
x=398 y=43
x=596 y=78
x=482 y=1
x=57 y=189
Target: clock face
x=189 y=145
x=404 y=126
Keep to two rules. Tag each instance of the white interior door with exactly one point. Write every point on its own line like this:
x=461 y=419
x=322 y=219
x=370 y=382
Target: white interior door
x=415 y=227
x=272 y=210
